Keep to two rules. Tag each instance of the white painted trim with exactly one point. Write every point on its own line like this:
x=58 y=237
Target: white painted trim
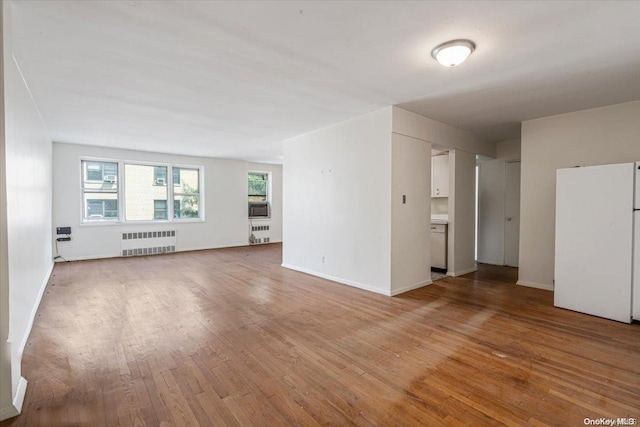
x=32 y=317
x=462 y=272
x=337 y=279
x=18 y=400
x=491 y=261
x=16 y=408
x=544 y=286
x=410 y=287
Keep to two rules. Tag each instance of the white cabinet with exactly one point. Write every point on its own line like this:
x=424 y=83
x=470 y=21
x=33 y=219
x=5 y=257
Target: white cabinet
x=439 y=246
x=440 y=176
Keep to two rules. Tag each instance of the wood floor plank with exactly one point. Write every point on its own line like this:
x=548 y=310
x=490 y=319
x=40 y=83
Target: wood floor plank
x=230 y=338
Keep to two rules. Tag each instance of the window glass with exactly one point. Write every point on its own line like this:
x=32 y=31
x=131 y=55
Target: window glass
x=186 y=193
x=160 y=175
x=99 y=191
x=258 y=187
x=143 y=193
x=159 y=209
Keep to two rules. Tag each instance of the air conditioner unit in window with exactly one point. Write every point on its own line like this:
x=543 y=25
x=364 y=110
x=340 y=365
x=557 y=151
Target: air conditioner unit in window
x=258 y=209
x=109 y=178
x=161 y=181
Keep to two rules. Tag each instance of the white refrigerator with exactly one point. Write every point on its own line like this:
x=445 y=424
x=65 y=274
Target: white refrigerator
x=597 y=254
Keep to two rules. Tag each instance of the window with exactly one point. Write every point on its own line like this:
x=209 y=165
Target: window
x=159 y=209
x=144 y=188
x=146 y=194
x=102 y=208
x=160 y=175
x=100 y=171
x=258 y=187
x=186 y=193
x=99 y=191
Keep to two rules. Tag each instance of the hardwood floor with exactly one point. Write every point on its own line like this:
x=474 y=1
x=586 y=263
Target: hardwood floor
x=228 y=337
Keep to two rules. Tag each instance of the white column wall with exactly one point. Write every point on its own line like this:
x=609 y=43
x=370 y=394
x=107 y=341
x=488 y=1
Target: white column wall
x=337 y=195
x=410 y=221
x=462 y=202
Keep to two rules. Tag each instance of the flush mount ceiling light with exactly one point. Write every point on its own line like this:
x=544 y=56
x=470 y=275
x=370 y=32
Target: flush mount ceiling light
x=453 y=53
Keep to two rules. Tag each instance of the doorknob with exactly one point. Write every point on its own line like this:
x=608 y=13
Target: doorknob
x=508 y=218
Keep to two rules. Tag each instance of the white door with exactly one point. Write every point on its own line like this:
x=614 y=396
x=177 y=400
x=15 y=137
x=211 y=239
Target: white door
x=512 y=214
x=594 y=240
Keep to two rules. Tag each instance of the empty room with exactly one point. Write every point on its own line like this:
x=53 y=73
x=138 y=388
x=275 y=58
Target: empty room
x=305 y=213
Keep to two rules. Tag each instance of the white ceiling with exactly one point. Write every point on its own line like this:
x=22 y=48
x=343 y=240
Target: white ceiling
x=234 y=79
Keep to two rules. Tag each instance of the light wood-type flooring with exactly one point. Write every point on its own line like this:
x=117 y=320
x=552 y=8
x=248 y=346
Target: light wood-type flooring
x=229 y=337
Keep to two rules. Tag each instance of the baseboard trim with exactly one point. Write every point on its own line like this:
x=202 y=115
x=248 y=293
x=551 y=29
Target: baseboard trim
x=462 y=272
x=337 y=279
x=34 y=311
x=16 y=407
x=20 y=393
x=410 y=287
x=543 y=286
x=491 y=261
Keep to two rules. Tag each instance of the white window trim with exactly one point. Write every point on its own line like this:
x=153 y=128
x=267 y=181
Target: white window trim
x=121 y=193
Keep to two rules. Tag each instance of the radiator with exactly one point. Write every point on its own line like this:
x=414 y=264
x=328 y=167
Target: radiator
x=261 y=234
x=148 y=242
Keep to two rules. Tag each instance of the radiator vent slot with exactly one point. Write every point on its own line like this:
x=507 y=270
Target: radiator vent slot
x=148 y=242
x=259 y=228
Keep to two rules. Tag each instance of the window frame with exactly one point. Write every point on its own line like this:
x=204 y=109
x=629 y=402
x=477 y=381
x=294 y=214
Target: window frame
x=121 y=194
x=102 y=221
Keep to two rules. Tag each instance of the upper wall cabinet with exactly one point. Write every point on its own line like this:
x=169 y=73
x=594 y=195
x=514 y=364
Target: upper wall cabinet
x=440 y=176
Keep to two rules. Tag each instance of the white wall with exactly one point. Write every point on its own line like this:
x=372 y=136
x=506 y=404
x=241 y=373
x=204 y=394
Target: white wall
x=337 y=202
x=6 y=404
x=416 y=126
x=225 y=199
x=462 y=222
x=508 y=150
x=28 y=209
x=410 y=233
x=591 y=137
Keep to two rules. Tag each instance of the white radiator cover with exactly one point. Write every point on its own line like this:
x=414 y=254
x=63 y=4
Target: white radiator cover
x=147 y=242
x=261 y=234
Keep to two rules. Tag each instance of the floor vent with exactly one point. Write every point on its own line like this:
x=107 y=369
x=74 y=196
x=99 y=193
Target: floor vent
x=148 y=242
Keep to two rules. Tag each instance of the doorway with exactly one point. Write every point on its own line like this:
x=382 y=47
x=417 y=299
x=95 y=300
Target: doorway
x=498 y=196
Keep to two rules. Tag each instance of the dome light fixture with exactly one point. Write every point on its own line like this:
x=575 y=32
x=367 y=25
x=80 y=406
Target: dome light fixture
x=453 y=52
